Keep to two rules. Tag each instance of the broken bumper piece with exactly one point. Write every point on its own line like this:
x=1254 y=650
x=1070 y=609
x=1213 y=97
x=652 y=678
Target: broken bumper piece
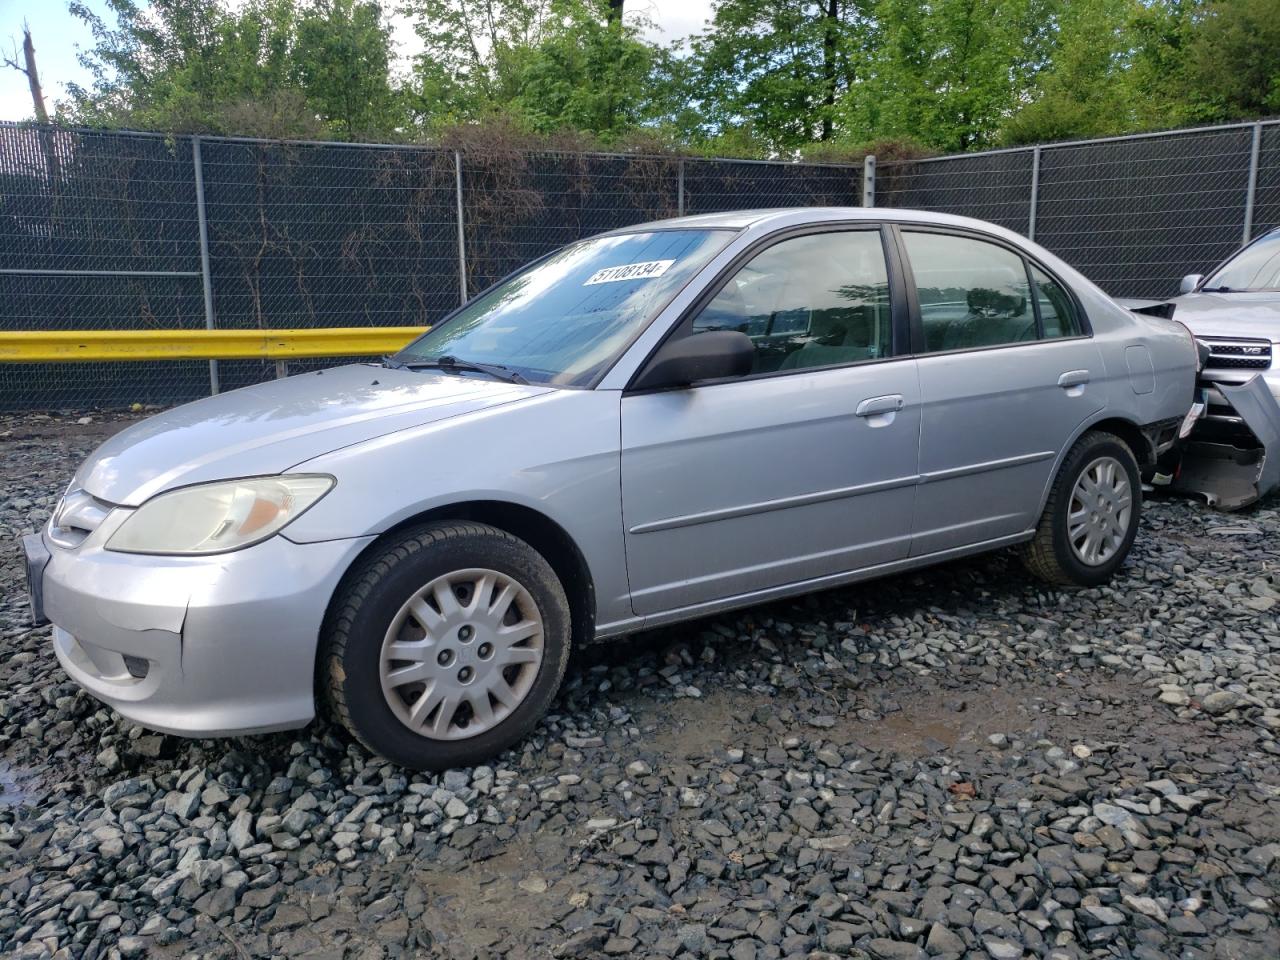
x=1232 y=456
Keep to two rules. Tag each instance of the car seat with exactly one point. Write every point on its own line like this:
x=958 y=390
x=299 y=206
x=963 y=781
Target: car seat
x=837 y=335
x=995 y=317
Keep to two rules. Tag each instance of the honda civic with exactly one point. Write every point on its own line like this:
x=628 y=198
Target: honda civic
x=646 y=426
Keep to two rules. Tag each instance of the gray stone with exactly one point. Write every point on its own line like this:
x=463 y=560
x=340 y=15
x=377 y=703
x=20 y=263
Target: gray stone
x=239 y=833
x=942 y=940
x=1219 y=702
x=1002 y=949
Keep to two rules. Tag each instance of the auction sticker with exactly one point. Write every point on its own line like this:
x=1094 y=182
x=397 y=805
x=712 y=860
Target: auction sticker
x=645 y=270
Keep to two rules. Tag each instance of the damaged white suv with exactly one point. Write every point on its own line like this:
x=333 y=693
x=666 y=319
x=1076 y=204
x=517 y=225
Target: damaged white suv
x=1232 y=457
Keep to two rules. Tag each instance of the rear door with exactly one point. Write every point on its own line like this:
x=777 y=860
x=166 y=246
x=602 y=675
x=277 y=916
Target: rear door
x=805 y=468
x=1008 y=373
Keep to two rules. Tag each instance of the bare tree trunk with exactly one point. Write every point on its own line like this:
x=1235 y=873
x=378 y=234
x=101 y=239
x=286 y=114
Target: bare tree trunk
x=831 y=21
x=615 y=23
x=28 y=67
x=33 y=75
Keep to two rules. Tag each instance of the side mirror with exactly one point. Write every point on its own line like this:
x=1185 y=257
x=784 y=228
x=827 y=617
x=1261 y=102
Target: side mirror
x=700 y=356
x=1189 y=283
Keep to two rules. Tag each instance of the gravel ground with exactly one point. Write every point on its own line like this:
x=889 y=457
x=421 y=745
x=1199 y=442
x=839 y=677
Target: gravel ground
x=956 y=761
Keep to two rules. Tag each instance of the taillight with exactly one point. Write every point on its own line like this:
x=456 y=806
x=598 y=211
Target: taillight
x=1202 y=349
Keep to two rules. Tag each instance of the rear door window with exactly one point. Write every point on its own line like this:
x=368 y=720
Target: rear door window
x=1057 y=312
x=971 y=293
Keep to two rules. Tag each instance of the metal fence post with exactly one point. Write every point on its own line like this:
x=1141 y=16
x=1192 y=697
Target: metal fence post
x=680 y=187
x=869 y=180
x=1035 y=193
x=1252 y=190
x=197 y=162
x=462 y=241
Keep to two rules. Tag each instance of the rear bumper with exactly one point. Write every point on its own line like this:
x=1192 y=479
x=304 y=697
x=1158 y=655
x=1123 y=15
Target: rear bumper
x=199 y=646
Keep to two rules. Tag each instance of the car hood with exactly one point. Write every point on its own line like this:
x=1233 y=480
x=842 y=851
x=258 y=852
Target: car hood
x=270 y=427
x=1230 y=314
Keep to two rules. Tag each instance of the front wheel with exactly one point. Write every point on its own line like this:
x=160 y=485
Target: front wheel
x=1091 y=517
x=446 y=646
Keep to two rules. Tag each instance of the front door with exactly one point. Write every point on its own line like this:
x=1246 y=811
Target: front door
x=805 y=468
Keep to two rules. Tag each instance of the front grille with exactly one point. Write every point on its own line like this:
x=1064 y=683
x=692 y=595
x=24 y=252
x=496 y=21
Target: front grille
x=77 y=516
x=1238 y=354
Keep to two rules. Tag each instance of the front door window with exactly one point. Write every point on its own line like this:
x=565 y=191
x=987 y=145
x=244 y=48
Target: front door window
x=820 y=300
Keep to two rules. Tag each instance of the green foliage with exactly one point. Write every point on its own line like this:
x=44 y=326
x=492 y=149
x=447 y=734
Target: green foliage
x=947 y=72
x=314 y=69
x=342 y=62
x=1085 y=91
x=774 y=69
x=545 y=64
x=1232 y=66
x=1119 y=66
x=765 y=77
x=886 y=149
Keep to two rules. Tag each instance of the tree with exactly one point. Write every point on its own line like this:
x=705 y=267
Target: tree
x=794 y=72
x=550 y=64
x=1087 y=88
x=1118 y=66
x=342 y=61
x=946 y=73
x=472 y=53
x=589 y=73
x=28 y=69
x=777 y=68
x=1231 y=64
x=298 y=70
x=766 y=77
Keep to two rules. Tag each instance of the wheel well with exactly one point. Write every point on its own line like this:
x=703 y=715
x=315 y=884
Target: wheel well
x=1133 y=437
x=540 y=532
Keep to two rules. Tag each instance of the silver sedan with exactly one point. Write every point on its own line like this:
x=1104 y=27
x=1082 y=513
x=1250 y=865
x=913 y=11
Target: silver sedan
x=644 y=427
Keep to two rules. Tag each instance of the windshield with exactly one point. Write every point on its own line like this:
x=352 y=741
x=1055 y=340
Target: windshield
x=1256 y=267
x=568 y=317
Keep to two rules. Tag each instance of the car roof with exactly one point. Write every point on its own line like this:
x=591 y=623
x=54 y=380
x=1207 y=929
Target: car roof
x=742 y=219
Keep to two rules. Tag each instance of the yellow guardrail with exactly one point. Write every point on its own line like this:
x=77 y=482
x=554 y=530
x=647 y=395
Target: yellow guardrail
x=45 y=346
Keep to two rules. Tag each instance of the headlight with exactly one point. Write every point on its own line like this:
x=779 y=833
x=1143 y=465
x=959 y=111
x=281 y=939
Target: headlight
x=217 y=517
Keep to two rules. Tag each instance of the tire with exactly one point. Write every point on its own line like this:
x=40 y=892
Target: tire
x=374 y=639
x=1051 y=554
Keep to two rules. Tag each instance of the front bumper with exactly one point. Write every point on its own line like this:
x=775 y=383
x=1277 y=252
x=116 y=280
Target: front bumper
x=1220 y=416
x=196 y=646
x=1232 y=456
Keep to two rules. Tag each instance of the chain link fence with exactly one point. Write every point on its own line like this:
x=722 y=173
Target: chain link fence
x=128 y=231
x=1134 y=214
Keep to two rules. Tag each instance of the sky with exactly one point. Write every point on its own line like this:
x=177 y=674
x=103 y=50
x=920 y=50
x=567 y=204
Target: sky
x=57 y=34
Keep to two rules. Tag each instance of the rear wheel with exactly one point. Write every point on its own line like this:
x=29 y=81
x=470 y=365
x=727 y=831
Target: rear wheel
x=1091 y=517
x=446 y=646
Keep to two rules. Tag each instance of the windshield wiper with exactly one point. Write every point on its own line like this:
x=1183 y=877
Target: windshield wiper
x=447 y=362
x=1218 y=290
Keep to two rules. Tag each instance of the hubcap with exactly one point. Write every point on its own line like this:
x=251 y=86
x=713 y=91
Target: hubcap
x=1100 y=509
x=461 y=654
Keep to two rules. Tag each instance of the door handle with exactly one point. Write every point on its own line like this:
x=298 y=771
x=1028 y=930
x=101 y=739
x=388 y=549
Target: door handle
x=1073 y=378
x=873 y=406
